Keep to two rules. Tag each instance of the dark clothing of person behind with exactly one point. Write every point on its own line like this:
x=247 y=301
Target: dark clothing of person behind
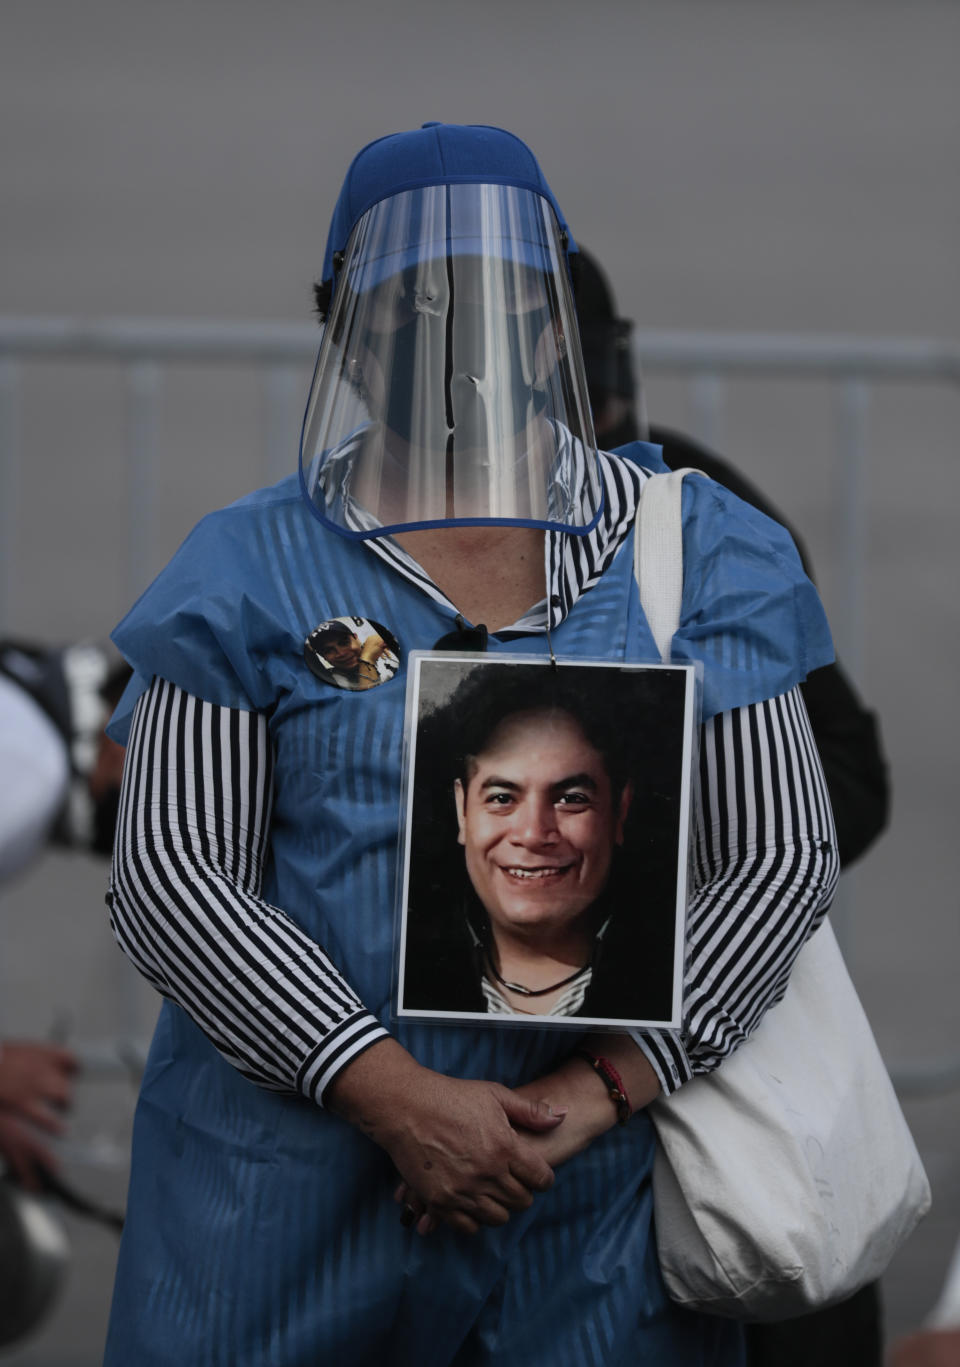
x=847 y=1334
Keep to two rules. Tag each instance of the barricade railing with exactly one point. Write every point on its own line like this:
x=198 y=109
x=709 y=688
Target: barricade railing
x=144 y=348
x=278 y=350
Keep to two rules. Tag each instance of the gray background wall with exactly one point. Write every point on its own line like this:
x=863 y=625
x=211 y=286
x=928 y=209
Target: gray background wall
x=734 y=164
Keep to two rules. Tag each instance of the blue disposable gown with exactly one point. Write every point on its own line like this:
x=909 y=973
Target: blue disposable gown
x=261 y=1228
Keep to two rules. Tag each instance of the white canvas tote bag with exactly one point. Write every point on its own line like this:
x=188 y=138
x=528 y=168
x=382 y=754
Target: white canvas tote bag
x=786 y=1179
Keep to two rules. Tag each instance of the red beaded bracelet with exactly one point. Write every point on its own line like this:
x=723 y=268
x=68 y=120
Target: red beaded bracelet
x=605 y=1070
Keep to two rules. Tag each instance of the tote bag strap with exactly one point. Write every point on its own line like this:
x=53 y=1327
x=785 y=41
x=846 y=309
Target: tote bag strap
x=658 y=554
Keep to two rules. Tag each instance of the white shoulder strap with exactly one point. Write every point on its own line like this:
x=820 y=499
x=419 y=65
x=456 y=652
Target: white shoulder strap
x=658 y=554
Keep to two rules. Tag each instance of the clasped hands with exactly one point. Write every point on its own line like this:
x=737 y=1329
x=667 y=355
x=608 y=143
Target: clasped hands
x=469 y=1153
x=480 y=1158
x=472 y=1153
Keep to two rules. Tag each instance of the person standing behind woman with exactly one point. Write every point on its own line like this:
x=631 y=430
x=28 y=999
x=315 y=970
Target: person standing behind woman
x=846 y=731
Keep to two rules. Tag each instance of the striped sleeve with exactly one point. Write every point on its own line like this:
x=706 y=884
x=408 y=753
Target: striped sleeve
x=185 y=898
x=766 y=866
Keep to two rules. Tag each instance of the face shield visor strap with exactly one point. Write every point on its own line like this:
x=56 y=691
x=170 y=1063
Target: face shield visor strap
x=449 y=388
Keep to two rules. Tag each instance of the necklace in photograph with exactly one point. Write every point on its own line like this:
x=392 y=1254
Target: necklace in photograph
x=523 y=991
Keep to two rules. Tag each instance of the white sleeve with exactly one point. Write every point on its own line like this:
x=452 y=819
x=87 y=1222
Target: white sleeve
x=186 y=906
x=766 y=870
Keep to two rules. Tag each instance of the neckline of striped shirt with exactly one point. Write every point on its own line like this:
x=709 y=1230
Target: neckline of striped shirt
x=573 y=564
x=568 y=1004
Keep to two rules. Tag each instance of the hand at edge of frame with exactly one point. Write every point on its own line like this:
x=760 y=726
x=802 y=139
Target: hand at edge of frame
x=36 y=1081
x=26 y=1157
x=928 y=1348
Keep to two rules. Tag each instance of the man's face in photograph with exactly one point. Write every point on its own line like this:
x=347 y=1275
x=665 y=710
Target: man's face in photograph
x=539 y=822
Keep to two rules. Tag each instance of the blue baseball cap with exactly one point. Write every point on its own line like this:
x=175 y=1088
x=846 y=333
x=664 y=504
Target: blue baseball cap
x=436 y=154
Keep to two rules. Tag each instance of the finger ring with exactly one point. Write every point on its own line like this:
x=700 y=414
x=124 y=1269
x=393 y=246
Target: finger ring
x=408 y=1216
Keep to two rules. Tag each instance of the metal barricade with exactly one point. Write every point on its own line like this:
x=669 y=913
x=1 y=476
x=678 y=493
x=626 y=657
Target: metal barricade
x=708 y=363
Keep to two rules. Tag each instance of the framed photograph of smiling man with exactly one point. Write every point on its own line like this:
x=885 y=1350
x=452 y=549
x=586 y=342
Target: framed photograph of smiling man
x=545 y=841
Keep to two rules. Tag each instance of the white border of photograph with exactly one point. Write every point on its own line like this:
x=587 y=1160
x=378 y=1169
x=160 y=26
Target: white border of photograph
x=421 y=662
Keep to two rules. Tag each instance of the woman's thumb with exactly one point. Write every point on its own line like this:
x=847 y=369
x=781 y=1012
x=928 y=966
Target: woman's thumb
x=528 y=1114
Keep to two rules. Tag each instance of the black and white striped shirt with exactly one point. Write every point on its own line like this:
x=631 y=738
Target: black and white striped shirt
x=185 y=891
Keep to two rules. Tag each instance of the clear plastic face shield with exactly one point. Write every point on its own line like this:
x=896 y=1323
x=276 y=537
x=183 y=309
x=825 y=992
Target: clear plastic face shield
x=449 y=387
